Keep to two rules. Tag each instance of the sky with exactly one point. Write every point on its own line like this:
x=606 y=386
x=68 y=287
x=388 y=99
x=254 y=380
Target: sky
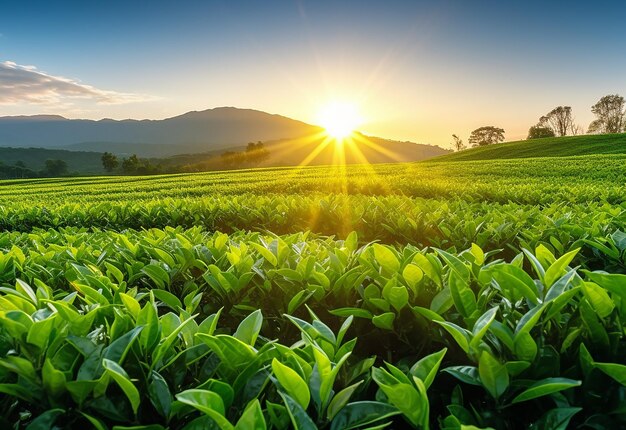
x=416 y=70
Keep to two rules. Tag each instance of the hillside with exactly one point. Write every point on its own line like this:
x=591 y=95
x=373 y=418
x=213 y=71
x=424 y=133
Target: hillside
x=35 y=158
x=192 y=132
x=195 y=139
x=363 y=149
x=199 y=135
x=546 y=147
x=317 y=150
x=288 y=152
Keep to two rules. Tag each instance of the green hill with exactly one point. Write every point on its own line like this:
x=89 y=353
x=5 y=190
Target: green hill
x=35 y=159
x=546 y=147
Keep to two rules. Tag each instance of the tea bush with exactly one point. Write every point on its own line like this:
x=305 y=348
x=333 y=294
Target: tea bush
x=466 y=295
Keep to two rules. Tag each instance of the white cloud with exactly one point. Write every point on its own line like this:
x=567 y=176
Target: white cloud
x=27 y=84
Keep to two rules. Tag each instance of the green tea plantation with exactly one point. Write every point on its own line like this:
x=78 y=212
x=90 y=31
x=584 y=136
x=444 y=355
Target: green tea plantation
x=436 y=295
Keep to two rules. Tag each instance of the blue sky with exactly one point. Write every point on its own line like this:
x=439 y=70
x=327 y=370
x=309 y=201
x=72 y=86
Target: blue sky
x=418 y=70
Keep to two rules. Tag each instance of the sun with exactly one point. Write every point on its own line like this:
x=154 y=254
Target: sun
x=339 y=119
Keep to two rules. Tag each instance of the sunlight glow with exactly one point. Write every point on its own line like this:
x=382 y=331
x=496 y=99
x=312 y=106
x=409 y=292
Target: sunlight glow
x=340 y=119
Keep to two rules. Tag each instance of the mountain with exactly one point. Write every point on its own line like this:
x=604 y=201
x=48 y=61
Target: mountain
x=192 y=132
x=191 y=139
x=547 y=147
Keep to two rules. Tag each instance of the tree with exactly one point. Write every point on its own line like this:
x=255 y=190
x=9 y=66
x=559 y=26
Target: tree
x=256 y=153
x=539 y=131
x=233 y=159
x=55 y=168
x=21 y=171
x=457 y=143
x=610 y=112
x=254 y=146
x=560 y=121
x=130 y=164
x=486 y=135
x=109 y=161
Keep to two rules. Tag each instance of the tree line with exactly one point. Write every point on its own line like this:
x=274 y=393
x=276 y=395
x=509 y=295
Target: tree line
x=252 y=156
x=610 y=113
x=19 y=170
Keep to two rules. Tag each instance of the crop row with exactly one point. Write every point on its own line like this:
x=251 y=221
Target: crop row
x=529 y=181
x=162 y=329
x=391 y=219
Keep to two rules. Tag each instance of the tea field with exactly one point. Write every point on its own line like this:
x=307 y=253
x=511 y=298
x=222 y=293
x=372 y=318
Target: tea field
x=455 y=295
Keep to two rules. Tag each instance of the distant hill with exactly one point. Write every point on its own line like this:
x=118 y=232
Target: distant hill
x=315 y=151
x=362 y=149
x=146 y=150
x=192 y=132
x=546 y=147
x=289 y=152
x=35 y=159
x=190 y=139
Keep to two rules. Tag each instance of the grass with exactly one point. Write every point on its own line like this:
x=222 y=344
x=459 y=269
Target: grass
x=547 y=147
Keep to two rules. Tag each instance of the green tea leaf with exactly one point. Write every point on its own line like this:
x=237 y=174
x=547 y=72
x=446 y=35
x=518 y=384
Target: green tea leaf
x=555 y=419
x=252 y=418
x=340 y=400
x=427 y=367
x=46 y=420
x=386 y=258
x=207 y=402
x=493 y=375
x=299 y=418
x=359 y=414
x=614 y=370
x=460 y=335
x=467 y=374
x=545 y=387
x=598 y=298
x=384 y=321
x=557 y=269
x=120 y=376
x=249 y=329
x=292 y=383
x=462 y=295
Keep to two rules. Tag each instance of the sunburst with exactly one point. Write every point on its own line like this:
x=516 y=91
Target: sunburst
x=339 y=119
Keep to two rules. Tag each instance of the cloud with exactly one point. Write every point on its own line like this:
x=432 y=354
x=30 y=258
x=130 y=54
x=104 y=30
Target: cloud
x=27 y=84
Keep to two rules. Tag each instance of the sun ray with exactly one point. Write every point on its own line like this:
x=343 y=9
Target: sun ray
x=376 y=147
x=364 y=162
x=327 y=140
x=339 y=144
x=340 y=171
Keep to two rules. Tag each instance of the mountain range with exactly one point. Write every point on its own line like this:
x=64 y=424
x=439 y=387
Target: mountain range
x=211 y=131
x=203 y=131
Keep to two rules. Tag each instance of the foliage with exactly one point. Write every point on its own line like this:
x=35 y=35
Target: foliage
x=560 y=121
x=109 y=161
x=130 y=164
x=588 y=145
x=159 y=328
x=55 y=168
x=539 y=131
x=401 y=296
x=457 y=143
x=18 y=170
x=486 y=136
x=514 y=204
x=610 y=112
x=254 y=154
